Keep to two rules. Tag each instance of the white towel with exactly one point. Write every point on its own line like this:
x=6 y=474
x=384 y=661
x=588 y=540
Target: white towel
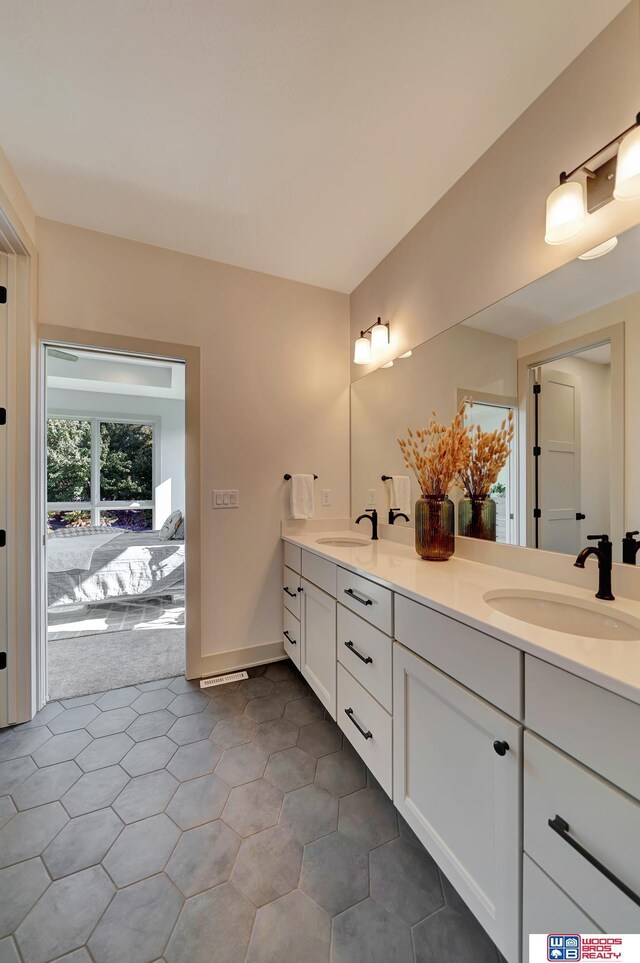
x=302 y=496
x=401 y=493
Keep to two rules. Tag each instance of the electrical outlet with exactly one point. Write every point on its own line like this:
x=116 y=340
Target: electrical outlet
x=225 y=498
x=326 y=497
x=372 y=497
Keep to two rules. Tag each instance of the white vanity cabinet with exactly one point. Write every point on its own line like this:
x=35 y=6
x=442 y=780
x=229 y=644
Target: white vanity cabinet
x=318 y=664
x=456 y=780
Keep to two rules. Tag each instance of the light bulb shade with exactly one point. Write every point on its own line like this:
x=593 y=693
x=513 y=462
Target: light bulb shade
x=627 y=185
x=565 y=213
x=362 y=351
x=389 y=364
x=379 y=337
x=599 y=250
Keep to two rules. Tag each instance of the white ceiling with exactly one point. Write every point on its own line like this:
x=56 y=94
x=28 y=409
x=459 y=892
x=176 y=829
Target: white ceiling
x=568 y=292
x=303 y=138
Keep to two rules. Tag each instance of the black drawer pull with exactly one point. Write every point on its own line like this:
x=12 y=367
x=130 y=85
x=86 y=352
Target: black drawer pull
x=501 y=747
x=561 y=827
x=367 y=735
x=357 y=597
x=289 y=592
x=366 y=659
x=288 y=637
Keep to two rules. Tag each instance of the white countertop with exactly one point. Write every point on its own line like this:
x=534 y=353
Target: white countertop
x=457 y=588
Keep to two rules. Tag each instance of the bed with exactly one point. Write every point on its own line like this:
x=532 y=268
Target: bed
x=129 y=565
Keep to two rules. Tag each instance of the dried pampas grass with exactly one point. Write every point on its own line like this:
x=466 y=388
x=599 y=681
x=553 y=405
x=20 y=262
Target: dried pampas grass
x=438 y=454
x=488 y=454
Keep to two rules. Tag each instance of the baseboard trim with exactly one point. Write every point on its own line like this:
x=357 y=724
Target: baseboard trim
x=245 y=658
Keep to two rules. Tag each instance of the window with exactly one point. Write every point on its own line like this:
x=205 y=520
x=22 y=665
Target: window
x=100 y=472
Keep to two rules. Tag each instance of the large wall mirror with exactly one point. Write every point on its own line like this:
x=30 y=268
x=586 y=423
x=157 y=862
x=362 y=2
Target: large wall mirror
x=563 y=354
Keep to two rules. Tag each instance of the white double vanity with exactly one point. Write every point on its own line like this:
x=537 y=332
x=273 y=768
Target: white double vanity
x=511 y=749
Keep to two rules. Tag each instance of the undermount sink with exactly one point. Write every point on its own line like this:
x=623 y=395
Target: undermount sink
x=563 y=614
x=344 y=542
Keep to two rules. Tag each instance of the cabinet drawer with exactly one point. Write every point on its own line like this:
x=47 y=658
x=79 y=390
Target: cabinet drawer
x=485 y=665
x=291 y=637
x=367 y=653
x=374 y=742
x=600 y=818
x=320 y=571
x=547 y=909
x=595 y=726
x=367 y=599
x=291 y=585
x=460 y=795
x=293 y=557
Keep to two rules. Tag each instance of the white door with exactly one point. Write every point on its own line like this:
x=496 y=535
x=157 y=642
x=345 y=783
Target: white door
x=459 y=795
x=559 y=461
x=319 y=643
x=4 y=484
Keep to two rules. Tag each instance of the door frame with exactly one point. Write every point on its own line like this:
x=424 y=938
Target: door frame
x=615 y=335
x=58 y=335
x=18 y=699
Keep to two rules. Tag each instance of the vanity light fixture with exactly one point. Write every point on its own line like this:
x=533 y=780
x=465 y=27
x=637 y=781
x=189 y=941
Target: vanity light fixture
x=616 y=176
x=379 y=340
x=599 y=250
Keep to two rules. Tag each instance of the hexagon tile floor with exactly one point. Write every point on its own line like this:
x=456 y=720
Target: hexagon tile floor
x=160 y=823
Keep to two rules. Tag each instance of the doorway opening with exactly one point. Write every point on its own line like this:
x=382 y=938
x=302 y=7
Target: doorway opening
x=571 y=402
x=114 y=440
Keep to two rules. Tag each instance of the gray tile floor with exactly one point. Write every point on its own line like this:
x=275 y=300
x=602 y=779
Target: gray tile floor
x=157 y=822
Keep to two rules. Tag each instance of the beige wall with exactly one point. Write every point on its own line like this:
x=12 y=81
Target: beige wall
x=485 y=238
x=15 y=205
x=275 y=397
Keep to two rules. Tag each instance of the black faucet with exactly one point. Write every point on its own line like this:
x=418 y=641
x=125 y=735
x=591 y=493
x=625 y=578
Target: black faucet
x=373 y=518
x=630 y=548
x=604 y=554
x=395 y=513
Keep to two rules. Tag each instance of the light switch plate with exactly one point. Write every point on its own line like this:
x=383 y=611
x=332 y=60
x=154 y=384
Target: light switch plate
x=225 y=498
x=326 y=497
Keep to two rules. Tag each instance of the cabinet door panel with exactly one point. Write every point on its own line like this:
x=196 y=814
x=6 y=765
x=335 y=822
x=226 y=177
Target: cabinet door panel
x=460 y=797
x=319 y=643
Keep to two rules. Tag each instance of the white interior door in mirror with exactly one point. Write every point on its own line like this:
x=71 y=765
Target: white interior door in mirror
x=559 y=460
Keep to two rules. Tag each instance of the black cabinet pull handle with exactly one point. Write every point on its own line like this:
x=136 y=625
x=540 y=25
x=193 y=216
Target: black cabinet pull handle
x=357 y=597
x=293 y=595
x=366 y=734
x=501 y=747
x=561 y=827
x=288 y=637
x=366 y=659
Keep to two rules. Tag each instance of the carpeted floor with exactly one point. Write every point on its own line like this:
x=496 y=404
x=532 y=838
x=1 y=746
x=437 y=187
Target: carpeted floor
x=114 y=616
x=111 y=660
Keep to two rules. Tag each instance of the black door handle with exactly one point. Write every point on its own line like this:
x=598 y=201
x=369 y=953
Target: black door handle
x=501 y=747
x=288 y=637
x=580 y=516
x=561 y=827
x=363 y=732
x=292 y=594
x=357 y=597
x=366 y=659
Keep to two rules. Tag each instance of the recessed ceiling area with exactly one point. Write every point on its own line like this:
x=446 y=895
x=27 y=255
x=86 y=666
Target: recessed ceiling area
x=296 y=137
x=78 y=369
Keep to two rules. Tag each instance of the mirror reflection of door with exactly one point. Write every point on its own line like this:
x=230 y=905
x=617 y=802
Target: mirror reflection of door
x=574 y=412
x=559 y=460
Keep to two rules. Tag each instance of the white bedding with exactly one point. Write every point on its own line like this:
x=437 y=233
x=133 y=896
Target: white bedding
x=67 y=554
